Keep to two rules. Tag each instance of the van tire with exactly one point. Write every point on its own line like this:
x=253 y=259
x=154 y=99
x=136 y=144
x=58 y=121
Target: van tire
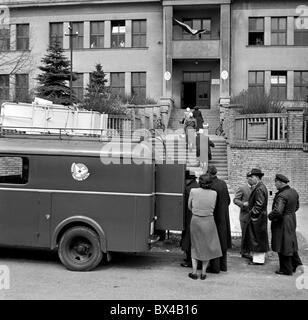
x=79 y=249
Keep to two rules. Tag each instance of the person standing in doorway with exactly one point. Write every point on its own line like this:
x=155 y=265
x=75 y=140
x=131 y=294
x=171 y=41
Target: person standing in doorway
x=255 y=231
x=283 y=226
x=222 y=220
x=241 y=200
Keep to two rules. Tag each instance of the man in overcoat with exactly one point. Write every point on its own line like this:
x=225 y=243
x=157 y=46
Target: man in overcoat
x=222 y=221
x=255 y=237
x=283 y=226
x=241 y=198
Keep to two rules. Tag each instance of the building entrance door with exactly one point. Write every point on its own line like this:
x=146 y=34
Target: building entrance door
x=203 y=94
x=189 y=95
x=196 y=90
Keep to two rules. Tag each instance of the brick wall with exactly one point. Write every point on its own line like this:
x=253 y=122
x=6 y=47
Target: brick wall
x=290 y=160
x=10 y=166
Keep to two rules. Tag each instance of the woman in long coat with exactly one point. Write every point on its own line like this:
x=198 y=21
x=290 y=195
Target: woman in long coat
x=205 y=243
x=199 y=118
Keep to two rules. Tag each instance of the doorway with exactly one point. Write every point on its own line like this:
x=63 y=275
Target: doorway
x=196 y=89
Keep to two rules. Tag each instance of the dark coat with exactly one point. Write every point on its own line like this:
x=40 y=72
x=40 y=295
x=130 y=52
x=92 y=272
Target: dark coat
x=185 y=240
x=255 y=236
x=199 y=119
x=283 y=226
x=221 y=213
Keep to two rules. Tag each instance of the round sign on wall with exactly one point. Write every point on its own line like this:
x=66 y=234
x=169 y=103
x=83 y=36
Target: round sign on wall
x=224 y=75
x=167 y=75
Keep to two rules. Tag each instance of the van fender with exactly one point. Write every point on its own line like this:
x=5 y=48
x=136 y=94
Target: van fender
x=84 y=221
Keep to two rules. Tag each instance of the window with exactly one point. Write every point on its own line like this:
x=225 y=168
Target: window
x=300 y=32
x=181 y=34
x=78 y=86
x=118 y=34
x=279 y=31
x=4 y=87
x=279 y=85
x=4 y=39
x=56 y=33
x=139 y=84
x=22 y=87
x=14 y=170
x=117 y=83
x=256 y=31
x=97 y=34
x=77 y=30
x=196 y=76
x=139 y=33
x=22 y=37
x=256 y=81
x=301 y=85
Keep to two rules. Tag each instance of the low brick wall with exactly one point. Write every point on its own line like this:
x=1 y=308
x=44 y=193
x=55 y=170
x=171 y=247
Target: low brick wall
x=288 y=159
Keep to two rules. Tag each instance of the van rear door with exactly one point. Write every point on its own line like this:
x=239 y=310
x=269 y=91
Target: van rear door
x=169 y=190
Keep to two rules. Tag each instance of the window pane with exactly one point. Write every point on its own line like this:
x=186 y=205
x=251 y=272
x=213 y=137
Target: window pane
x=282 y=79
x=197 y=24
x=260 y=77
x=14 y=170
x=251 y=77
x=305 y=77
x=260 y=24
x=282 y=24
x=301 y=38
x=274 y=79
x=282 y=38
x=274 y=39
x=274 y=23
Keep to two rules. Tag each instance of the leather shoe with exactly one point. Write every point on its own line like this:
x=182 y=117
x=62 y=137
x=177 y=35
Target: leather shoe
x=193 y=276
x=283 y=273
x=203 y=276
x=186 y=265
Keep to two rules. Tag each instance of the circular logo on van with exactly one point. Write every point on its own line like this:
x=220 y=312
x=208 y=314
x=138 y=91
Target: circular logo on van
x=79 y=171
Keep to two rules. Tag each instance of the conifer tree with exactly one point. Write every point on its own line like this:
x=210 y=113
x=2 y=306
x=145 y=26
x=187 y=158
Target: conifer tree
x=55 y=74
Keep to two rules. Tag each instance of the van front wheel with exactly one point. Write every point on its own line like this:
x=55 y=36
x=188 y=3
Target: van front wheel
x=79 y=249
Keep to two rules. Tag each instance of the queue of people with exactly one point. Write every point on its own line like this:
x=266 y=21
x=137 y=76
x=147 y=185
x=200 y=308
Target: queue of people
x=207 y=234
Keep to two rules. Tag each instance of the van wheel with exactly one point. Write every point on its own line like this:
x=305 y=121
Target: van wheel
x=79 y=249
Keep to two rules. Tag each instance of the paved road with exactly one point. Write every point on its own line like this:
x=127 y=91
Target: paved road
x=153 y=275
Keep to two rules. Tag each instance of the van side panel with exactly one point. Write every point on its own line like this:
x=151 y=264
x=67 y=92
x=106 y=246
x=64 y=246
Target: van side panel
x=170 y=184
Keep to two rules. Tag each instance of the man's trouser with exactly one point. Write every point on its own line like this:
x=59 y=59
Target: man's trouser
x=288 y=264
x=218 y=264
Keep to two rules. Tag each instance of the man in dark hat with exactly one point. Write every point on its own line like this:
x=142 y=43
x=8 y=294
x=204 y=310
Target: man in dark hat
x=241 y=200
x=222 y=221
x=283 y=226
x=255 y=237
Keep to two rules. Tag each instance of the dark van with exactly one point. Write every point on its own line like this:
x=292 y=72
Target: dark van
x=83 y=201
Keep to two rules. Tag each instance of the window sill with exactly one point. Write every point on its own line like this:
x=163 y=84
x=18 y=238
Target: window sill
x=276 y=46
x=98 y=49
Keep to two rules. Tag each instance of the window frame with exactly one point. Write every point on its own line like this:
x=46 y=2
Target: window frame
x=256 y=86
x=53 y=39
x=23 y=38
x=5 y=88
x=24 y=175
x=140 y=34
x=115 y=87
x=139 y=86
x=77 y=39
x=301 y=86
x=5 y=39
x=97 y=35
x=78 y=89
x=116 y=37
x=279 y=31
x=279 y=85
x=254 y=31
x=23 y=90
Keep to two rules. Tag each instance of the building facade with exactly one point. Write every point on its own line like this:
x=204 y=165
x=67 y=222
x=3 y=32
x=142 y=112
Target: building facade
x=145 y=52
